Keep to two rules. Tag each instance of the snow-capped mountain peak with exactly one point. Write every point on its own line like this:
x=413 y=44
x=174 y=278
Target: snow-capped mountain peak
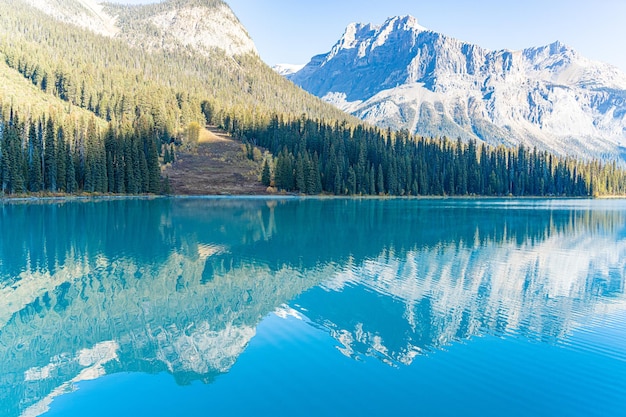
x=402 y=75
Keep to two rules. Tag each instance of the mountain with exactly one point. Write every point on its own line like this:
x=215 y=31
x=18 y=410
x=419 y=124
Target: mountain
x=87 y=14
x=201 y=24
x=165 y=59
x=287 y=69
x=121 y=88
x=84 y=75
x=404 y=76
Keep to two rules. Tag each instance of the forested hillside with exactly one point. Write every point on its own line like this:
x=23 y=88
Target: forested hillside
x=85 y=111
x=115 y=79
x=62 y=79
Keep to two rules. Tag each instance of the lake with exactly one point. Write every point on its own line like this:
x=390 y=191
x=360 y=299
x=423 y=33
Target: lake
x=313 y=307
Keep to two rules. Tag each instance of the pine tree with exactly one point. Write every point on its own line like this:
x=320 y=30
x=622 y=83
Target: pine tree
x=301 y=174
x=131 y=164
x=351 y=181
x=35 y=177
x=311 y=174
x=50 y=163
x=71 y=186
x=166 y=155
x=154 y=169
x=380 y=182
x=61 y=160
x=315 y=173
x=265 y=175
x=337 y=184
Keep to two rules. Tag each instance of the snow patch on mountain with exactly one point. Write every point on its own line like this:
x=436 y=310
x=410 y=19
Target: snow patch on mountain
x=287 y=69
x=403 y=76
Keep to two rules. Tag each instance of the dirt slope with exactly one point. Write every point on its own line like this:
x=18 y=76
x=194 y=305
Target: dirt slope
x=218 y=167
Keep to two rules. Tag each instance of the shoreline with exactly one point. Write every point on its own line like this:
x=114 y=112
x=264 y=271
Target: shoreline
x=279 y=196
x=77 y=197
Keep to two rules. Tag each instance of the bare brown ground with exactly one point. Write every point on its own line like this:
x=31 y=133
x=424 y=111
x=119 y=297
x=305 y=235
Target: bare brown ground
x=218 y=167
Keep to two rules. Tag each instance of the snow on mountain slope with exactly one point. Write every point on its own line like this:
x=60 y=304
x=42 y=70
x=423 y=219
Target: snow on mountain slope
x=287 y=69
x=401 y=75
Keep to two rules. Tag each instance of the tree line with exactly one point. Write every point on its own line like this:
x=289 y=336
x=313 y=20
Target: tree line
x=67 y=154
x=115 y=80
x=55 y=155
x=314 y=156
x=152 y=99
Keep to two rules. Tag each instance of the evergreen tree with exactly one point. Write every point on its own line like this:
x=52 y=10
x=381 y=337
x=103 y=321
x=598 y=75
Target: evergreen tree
x=338 y=184
x=301 y=174
x=71 y=186
x=35 y=163
x=61 y=160
x=265 y=175
x=50 y=163
x=351 y=181
x=372 y=181
x=153 y=167
x=12 y=158
x=130 y=159
x=380 y=182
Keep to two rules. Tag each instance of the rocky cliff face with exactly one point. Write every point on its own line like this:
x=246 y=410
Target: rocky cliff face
x=83 y=13
x=404 y=76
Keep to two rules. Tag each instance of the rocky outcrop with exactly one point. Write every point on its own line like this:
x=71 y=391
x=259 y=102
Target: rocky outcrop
x=404 y=76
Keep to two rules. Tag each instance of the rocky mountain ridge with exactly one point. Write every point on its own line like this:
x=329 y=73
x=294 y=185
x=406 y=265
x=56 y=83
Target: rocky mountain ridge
x=404 y=76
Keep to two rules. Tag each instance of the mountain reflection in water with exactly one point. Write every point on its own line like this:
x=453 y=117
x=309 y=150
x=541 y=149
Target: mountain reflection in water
x=90 y=288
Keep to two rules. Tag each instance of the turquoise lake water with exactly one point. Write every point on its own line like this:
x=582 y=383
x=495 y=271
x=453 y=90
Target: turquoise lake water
x=313 y=307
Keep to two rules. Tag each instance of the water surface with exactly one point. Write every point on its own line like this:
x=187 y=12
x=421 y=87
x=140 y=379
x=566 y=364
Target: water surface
x=313 y=307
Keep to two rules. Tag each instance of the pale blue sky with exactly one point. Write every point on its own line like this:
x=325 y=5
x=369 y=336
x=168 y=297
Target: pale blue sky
x=292 y=31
